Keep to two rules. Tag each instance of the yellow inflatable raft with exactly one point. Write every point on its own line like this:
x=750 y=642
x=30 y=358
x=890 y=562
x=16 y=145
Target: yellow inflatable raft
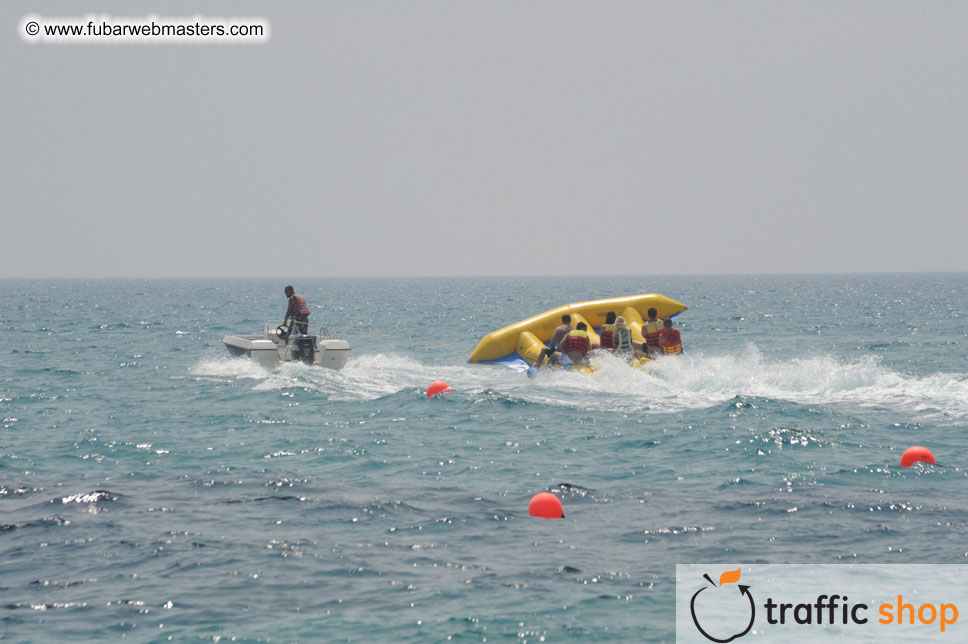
x=518 y=345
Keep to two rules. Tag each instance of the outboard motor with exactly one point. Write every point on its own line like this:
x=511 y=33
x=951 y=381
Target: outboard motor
x=304 y=348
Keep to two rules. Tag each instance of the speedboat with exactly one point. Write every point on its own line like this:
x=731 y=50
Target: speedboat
x=277 y=345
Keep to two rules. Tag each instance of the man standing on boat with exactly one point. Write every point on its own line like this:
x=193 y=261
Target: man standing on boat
x=298 y=311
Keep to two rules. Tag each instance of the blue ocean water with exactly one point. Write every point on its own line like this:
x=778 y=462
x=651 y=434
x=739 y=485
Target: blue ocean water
x=152 y=488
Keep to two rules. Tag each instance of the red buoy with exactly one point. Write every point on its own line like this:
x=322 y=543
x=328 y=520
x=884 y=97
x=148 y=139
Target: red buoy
x=436 y=388
x=546 y=505
x=917 y=453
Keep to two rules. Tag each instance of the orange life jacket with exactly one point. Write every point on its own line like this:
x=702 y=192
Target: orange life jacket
x=673 y=343
x=575 y=341
x=607 y=335
x=651 y=331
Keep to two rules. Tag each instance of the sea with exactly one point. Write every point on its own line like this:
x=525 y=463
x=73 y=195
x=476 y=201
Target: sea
x=154 y=489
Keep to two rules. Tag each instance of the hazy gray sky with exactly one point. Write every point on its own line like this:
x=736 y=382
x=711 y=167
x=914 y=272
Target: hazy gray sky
x=491 y=138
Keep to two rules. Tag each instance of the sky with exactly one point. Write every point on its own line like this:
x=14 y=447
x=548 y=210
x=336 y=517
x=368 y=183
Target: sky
x=507 y=137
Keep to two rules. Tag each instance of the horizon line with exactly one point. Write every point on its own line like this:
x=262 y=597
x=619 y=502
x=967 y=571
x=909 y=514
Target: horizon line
x=503 y=276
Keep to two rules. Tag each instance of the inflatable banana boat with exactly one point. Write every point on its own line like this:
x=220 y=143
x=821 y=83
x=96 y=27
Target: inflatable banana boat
x=518 y=345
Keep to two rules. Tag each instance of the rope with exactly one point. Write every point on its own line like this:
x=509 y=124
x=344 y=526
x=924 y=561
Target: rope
x=400 y=337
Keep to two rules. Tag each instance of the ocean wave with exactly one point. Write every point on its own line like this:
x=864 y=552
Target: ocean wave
x=672 y=385
x=227 y=369
x=826 y=380
x=666 y=385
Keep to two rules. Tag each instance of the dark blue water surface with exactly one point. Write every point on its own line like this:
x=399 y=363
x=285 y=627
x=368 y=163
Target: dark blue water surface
x=154 y=488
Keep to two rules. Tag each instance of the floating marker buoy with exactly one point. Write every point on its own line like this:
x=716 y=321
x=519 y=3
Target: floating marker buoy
x=436 y=388
x=917 y=453
x=546 y=505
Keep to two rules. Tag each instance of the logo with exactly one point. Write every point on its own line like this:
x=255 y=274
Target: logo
x=723 y=608
x=801 y=602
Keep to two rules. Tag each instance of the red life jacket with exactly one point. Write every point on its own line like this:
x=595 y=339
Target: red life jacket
x=575 y=341
x=651 y=331
x=673 y=343
x=607 y=335
x=300 y=308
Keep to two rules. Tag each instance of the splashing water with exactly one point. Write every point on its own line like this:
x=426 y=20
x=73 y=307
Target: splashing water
x=665 y=385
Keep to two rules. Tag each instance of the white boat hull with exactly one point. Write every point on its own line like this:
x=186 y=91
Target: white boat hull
x=270 y=349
